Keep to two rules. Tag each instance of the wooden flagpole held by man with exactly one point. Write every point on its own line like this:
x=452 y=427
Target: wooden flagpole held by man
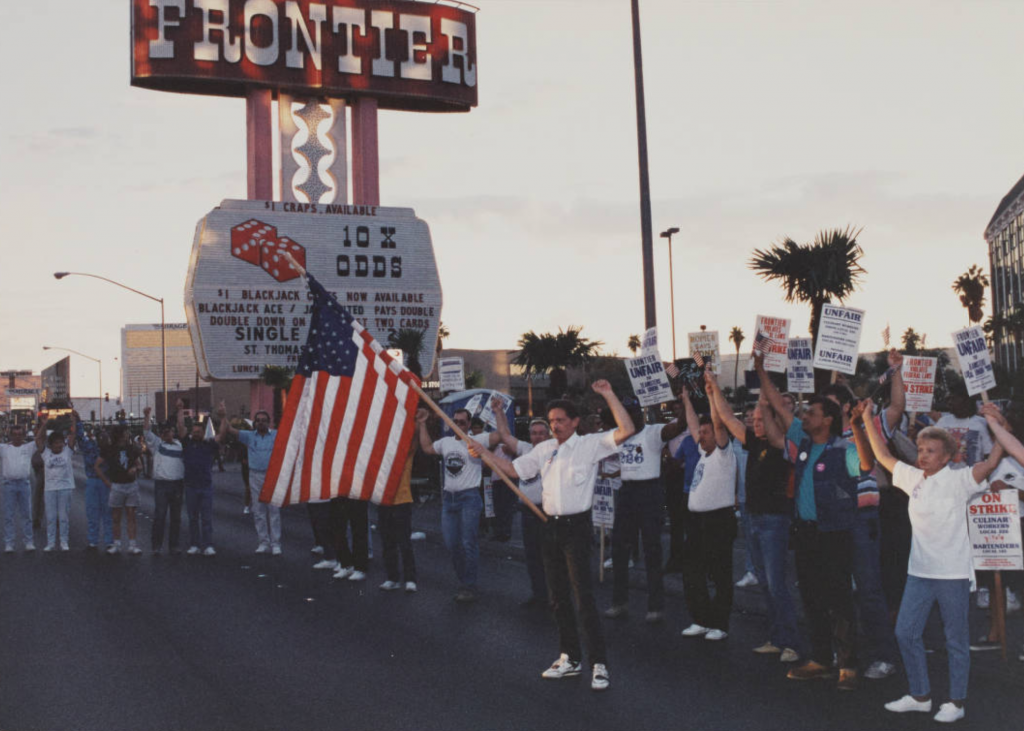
x=485 y=455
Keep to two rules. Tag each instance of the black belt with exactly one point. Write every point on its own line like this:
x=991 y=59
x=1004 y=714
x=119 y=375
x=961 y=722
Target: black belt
x=571 y=518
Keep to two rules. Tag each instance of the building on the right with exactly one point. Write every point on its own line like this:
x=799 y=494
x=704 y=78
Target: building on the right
x=1005 y=237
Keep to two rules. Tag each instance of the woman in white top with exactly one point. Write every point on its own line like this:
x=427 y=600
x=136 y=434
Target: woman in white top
x=940 y=559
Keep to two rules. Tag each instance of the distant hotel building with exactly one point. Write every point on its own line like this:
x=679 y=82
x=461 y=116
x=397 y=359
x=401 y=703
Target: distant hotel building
x=142 y=369
x=1005 y=237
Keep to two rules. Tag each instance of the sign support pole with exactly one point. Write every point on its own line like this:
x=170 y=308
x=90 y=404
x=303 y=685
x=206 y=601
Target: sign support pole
x=365 y=153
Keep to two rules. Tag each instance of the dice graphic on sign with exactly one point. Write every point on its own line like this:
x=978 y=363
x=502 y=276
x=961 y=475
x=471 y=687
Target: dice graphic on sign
x=258 y=243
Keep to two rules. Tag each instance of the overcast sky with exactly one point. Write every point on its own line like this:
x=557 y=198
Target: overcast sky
x=765 y=120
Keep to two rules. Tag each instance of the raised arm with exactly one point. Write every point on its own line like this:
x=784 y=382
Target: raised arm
x=867 y=458
x=1001 y=430
x=147 y=420
x=721 y=433
x=502 y=435
x=72 y=439
x=735 y=427
x=771 y=392
x=897 y=391
x=673 y=429
x=426 y=443
x=692 y=423
x=772 y=430
x=981 y=470
x=881 y=451
x=225 y=430
x=623 y=421
x=41 y=432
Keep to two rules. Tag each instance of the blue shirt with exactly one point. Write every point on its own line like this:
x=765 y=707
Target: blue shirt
x=260 y=446
x=805 y=506
x=689 y=453
x=90 y=451
x=199 y=457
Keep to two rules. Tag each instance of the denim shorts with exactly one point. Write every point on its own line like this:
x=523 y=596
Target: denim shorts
x=124 y=496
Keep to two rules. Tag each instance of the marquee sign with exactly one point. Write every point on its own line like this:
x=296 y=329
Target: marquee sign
x=408 y=55
x=247 y=308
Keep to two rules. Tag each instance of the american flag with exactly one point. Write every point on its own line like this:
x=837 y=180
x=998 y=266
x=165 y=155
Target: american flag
x=886 y=335
x=671 y=370
x=350 y=417
x=762 y=343
x=698 y=359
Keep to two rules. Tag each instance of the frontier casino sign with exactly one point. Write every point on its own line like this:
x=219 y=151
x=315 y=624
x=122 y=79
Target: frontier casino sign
x=414 y=56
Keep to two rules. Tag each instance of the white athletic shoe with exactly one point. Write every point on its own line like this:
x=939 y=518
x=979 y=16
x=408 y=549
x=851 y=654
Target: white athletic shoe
x=357 y=576
x=343 y=572
x=410 y=586
x=326 y=564
x=695 y=630
x=907 y=704
x=949 y=712
x=748 y=580
x=390 y=586
x=563 y=667
x=599 y=681
x=210 y=551
x=193 y=551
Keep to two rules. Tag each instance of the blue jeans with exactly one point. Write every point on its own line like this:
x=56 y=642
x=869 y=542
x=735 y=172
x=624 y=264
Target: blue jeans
x=750 y=566
x=17 y=495
x=954 y=599
x=769 y=550
x=460 y=522
x=97 y=511
x=167 y=497
x=199 y=503
x=58 y=506
x=879 y=642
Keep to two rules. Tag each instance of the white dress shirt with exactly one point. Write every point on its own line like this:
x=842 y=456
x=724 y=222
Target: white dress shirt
x=567 y=471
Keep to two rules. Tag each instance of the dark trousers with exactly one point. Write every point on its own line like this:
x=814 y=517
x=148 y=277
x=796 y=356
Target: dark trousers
x=504 y=510
x=894 y=544
x=320 y=522
x=167 y=497
x=678 y=518
x=566 y=554
x=354 y=513
x=395 y=526
x=199 y=503
x=533 y=541
x=710 y=559
x=824 y=564
x=640 y=510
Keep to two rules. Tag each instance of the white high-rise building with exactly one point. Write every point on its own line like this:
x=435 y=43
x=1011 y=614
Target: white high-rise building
x=141 y=366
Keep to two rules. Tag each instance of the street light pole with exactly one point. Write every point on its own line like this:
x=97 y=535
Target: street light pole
x=95 y=360
x=671 y=285
x=163 y=328
x=646 y=234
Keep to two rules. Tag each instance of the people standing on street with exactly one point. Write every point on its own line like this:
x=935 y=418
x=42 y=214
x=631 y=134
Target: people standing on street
x=97 y=494
x=940 y=567
x=640 y=513
x=16 y=470
x=567 y=466
x=119 y=465
x=462 y=504
x=57 y=453
x=353 y=558
x=394 y=523
x=168 y=482
x=198 y=454
x=260 y=445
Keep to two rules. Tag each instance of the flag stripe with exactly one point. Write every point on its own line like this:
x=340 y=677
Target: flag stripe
x=288 y=492
x=312 y=434
x=348 y=416
x=283 y=433
x=327 y=486
x=404 y=446
x=362 y=415
x=380 y=453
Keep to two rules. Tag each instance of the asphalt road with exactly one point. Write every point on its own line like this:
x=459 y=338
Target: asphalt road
x=240 y=641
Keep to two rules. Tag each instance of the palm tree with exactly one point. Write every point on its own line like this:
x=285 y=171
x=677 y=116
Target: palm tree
x=911 y=341
x=410 y=342
x=971 y=287
x=442 y=334
x=737 y=337
x=570 y=350
x=278 y=378
x=814 y=273
x=536 y=356
x=633 y=344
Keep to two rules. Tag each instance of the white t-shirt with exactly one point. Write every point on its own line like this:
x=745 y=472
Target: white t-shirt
x=714 y=481
x=461 y=472
x=59 y=469
x=16 y=462
x=1010 y=472
x=640 y=455
x=972 y=438
x=531 y=488
x=168 y=463
x=567 y=470
x=941 y=546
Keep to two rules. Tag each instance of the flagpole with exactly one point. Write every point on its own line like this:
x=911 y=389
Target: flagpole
x=485 y=455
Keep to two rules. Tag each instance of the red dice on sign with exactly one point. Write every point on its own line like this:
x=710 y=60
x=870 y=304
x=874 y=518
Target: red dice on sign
x=273 y=261
x=245 y=240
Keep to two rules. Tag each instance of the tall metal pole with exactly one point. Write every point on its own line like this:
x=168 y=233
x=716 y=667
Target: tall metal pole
x=672 y=296
x=650 y=313
x=163 y=356
x=100 y=364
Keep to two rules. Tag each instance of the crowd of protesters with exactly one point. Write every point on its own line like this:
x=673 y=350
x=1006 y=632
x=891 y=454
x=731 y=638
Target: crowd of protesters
x=871 y=506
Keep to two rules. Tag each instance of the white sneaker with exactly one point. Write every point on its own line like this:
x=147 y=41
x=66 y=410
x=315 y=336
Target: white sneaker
x=134 y=549
x=8 y=548
x=263 y=548
x=114 y=547
x=192 y=550
x=879 y=669
x=390 y=585
x=715 y=635
x=29 y=547
x=983 y=598
x=246 y=510
x=343 y=572
x=64 y=546
x=357 y=576
x=607 y=563
x=748 y=580
x=949 y=712
x=563 y=667
x=599 y=681
x=275 y=551
x=907 y=703
x=317 y=550
x=210 y=551
x=49 y=547
x=326 y=564
x=410 y=586
x=418 y=536
x=789 y=655
x=695 y=630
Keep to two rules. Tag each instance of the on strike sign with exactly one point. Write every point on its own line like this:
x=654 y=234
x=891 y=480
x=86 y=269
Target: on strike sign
x=838 y=339
x=994 y=524
x=919 y=382
x=776 y=350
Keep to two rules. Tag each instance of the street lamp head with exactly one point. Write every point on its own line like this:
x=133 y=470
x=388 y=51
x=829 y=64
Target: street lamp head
x=669 y=233
x=47 y=347
x=60 y=275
